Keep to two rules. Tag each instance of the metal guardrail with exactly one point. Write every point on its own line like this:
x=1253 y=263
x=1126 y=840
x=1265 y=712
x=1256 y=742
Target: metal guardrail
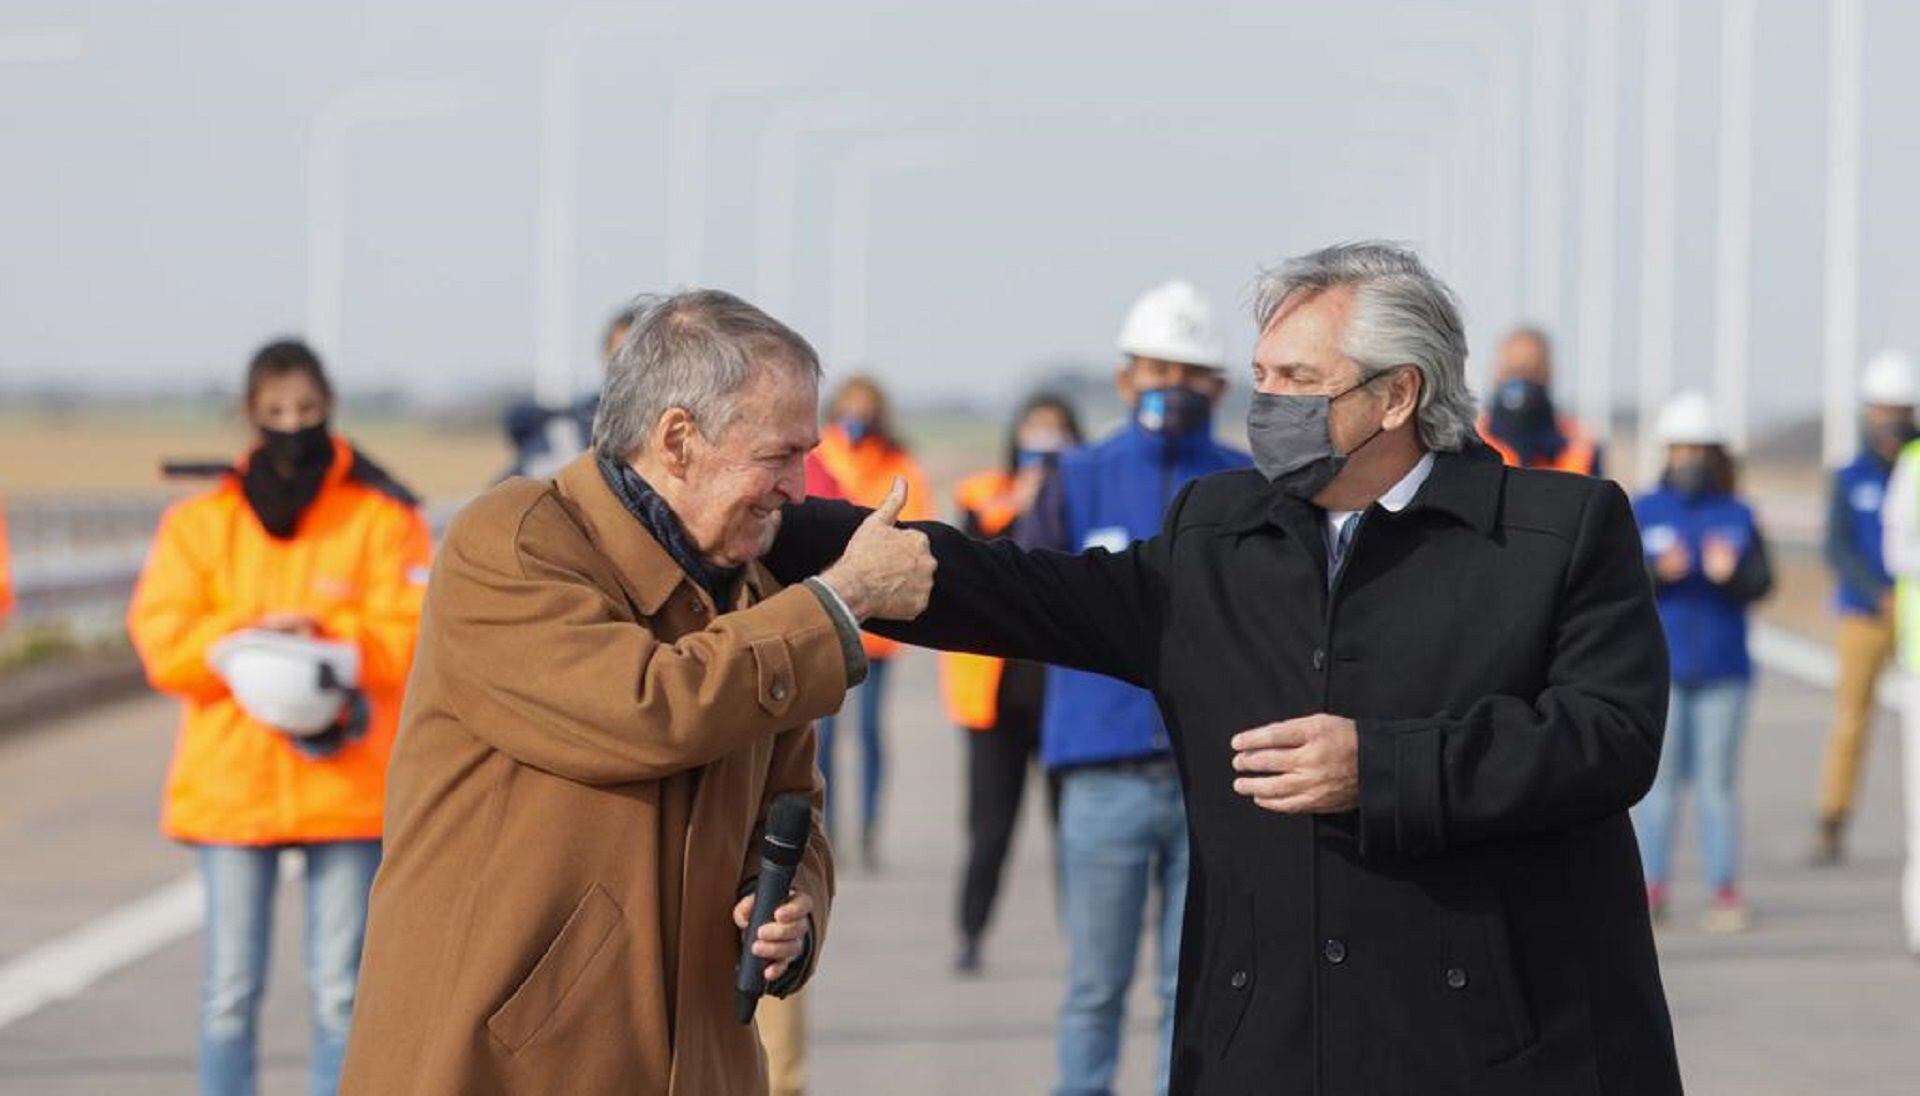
x=75 y=563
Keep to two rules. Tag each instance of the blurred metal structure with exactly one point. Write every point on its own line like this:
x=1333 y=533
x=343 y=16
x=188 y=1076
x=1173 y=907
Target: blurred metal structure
x=775 y=195
x=1839 y=420
x=850 y=262
x=566 y=43
x=1659 y=141
x=1733 y=278
x=370 y=104
x=1599 y=140
x=1546 y=163
x=687 y=122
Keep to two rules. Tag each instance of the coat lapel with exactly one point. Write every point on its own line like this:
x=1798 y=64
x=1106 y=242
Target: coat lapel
x=647 y=573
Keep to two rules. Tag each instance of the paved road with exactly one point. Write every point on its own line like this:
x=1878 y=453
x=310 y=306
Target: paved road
x=1819 y=1000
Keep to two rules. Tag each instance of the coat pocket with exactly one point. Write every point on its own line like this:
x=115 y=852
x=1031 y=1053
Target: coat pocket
x=1478 y=980
x=1231 y=976
x=568 y=958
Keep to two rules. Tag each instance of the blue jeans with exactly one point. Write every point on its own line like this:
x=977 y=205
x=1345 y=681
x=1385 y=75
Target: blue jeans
x=873 y=758
x=1120 y=834
x=240 y=881
x=1705 y=724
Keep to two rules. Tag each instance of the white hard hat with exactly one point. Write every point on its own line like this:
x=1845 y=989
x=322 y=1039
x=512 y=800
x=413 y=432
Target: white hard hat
x=1890 y=381
x=1688 y=419
x=1174 y=323
x=289 y=683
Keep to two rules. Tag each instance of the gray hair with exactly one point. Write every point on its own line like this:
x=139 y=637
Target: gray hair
x=1402 y=315
x=694 y=350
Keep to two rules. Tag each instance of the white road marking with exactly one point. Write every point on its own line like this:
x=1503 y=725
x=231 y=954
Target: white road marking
x=1808 y=662
x=63 y=967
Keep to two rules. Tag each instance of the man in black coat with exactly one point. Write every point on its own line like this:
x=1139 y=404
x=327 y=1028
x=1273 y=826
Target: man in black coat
x=1412 y=693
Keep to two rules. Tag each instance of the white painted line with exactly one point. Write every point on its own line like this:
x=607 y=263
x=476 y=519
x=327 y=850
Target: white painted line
x=1808 y=662
x=61 y=968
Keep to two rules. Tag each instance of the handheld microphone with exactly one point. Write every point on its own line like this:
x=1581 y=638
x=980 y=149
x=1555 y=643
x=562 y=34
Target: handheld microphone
x=789 y=824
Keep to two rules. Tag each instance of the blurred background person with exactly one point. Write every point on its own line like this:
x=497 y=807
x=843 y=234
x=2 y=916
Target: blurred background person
x=1708 y=562
x=304 y=537
x=862 y=453
x=1863 y=588
x=545 y=439
x=1521 y=422
x=997 y=703
x=6 y=569
x=1123 y=826
x=1902 y=552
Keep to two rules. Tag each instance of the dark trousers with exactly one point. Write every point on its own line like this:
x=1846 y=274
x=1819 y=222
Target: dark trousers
x=998 y=760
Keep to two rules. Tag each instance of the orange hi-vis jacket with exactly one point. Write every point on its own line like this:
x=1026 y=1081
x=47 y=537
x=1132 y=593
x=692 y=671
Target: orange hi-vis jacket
x=865 y=472
x=1578 y=456
x=357 y=564
x=971 y=683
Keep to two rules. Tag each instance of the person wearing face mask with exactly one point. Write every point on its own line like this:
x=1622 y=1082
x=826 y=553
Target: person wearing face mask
x=997 y=704
x=1522 y=423
x=1708 y=564
x=1864 y=588
x=305 y=538
x=1411 y=692
x=863 y=454
x=1122 y=835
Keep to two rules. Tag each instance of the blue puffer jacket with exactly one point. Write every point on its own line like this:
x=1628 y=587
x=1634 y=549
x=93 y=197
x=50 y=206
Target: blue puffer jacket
x=1109 y=495
x=1705 y=621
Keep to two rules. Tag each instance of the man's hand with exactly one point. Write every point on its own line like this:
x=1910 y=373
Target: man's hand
x=1673 y=564
x=1309 y=765
x=886 y=572
x=782 y=939
x=287 y=623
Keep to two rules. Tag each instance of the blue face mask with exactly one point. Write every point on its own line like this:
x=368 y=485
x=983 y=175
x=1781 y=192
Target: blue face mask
x=1174 y=412
x=856 y=430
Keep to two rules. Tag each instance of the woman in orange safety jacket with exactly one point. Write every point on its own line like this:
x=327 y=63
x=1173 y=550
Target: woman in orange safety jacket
x=864 y=455
x=307 y=537
x=998 y=703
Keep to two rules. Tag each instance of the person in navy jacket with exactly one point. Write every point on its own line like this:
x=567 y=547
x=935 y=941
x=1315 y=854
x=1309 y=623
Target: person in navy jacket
x=1123 y=828
x=1863 y=588
x=1708 y=563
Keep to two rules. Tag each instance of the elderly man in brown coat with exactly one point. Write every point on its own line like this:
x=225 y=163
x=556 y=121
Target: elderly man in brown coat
x=609 y=693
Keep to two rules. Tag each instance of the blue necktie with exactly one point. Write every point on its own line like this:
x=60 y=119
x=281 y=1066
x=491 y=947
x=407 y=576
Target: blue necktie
x=1342 y=543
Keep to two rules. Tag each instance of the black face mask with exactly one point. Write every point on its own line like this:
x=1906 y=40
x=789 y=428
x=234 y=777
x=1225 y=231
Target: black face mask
x=1292 y=440
x=285 y=476
x=1692 y=479
x=1173 y=412
x=1891 y=436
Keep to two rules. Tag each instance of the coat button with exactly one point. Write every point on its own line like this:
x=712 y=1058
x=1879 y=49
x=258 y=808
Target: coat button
x=1319 y=658
x=1239 y=980
x=1335 y=951
x=1456 y=978
x=699 y=607
x=778 y=692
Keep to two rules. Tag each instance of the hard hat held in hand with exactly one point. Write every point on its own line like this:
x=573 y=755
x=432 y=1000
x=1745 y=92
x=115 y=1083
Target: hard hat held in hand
x=1689 y=419
x=290 y=683
x=1890 y=381
x=1172 y=322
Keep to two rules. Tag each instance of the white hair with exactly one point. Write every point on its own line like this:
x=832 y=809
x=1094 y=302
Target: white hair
x=695 y=350
x=1402 y=315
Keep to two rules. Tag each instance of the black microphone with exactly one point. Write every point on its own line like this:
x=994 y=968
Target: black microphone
x=789 y=824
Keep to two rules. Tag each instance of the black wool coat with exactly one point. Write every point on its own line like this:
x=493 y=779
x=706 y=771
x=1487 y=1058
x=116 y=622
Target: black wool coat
x=1478 y=925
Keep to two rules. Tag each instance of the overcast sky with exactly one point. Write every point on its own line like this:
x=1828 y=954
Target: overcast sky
x=153 y=207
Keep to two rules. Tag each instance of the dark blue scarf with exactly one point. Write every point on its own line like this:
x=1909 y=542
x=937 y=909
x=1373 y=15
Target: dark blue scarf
x=652 y=512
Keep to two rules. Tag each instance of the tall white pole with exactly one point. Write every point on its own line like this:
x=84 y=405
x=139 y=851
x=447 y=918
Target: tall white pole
x=1839 y=429
x=1599 y=137
x=687 y=122
x=775 y=195
x=1659 y=134
x=326 y=191
x=1734 y=250
x=847 y=328
x=1546 y=163
x=555 y=339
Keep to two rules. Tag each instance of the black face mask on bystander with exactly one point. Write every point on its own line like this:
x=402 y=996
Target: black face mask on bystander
x=285 y=474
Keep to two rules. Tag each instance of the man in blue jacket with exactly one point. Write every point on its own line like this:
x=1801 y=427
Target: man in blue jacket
x=1123 y=829
x=1864 y=638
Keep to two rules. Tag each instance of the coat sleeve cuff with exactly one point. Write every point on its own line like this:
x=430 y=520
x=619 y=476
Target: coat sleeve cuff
x=1401 y=804
x=844 y=623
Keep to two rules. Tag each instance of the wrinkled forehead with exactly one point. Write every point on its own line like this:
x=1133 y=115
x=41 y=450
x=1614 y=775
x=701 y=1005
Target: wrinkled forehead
x=779 y=406
x=1308 y=332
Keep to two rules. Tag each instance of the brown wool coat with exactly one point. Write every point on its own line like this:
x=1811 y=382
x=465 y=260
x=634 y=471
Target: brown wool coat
x=585 y=756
